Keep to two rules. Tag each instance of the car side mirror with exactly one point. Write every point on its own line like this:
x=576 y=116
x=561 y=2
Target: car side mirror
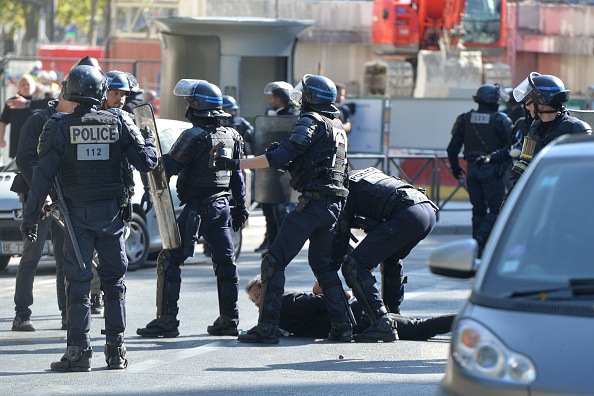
x=456 y=259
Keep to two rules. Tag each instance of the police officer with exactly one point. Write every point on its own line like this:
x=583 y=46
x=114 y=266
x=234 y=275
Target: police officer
x=485 y=134
x=204 y=192
x=544 y=97
x=240 y=124
x=118 y=88
x=315 y=153
x=26 y=160
x=85 y=149
x=396 y=217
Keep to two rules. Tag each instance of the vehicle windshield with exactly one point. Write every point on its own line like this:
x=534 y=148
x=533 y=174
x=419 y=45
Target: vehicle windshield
x=548 y=241
x=482 y=21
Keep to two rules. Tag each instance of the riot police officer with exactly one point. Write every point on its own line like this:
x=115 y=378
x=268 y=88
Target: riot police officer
x=315 y=154
x=396 y=217
x=544 y=96
x=118 y=89
x=485 y=134
x=85 y=149
x=204 y=192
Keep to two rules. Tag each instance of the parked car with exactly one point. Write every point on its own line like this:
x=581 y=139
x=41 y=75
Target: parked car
x=527 y=327
x=143 y=236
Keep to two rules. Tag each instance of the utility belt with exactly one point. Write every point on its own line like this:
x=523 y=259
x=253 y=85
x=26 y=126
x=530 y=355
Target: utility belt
x=307 y=196
x=407 y=197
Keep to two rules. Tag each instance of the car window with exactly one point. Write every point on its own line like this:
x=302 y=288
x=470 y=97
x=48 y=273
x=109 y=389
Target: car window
x=167 y=137
x=549 y=237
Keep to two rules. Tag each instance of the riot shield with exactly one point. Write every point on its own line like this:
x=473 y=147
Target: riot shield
x=159 y=185
x=270 y=185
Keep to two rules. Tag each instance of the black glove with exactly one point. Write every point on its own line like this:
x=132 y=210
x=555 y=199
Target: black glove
x=146 y=202
x=272 y=146
x=458 y=173
x=148 y=133
x=224 y=163
x=483 y=159
x=239 y=215
x=29 y=231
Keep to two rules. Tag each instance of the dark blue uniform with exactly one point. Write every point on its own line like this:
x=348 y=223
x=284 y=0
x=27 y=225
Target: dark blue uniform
x=396 y=217
x=316 y=151
x=86 y=150
x=482 y=132
x=206 y=213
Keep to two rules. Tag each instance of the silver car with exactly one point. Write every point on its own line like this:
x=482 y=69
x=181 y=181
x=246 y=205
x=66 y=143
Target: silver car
x=528 y=325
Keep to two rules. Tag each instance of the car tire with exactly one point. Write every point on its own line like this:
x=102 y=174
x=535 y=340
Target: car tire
x=237 y=238
x=4 y=260
x=137 y=243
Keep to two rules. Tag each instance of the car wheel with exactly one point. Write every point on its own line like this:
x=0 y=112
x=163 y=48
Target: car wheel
x=237 y=239
x=4 y=260
x=137 y=243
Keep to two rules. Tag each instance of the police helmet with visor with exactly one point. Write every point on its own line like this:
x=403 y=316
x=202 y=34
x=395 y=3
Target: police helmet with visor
x=229 y=103
x=542 y=89
x=204 y=99
x=489 y=94
x=118 y=81
x=317 y=91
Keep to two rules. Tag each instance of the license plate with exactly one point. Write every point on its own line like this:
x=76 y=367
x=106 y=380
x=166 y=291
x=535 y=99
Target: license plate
x=12 y=247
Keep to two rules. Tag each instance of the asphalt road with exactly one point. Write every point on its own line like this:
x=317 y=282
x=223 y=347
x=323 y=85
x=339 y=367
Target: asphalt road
x=196 y=363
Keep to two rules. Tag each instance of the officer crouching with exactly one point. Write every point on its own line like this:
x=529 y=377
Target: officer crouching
x=86 y=150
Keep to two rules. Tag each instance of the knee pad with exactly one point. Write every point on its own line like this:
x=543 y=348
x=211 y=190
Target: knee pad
x=226 y=271
x=269 y=266
x=328 y=277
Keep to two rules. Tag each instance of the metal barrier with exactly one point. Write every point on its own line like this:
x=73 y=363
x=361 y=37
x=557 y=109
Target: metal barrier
x=433 y=161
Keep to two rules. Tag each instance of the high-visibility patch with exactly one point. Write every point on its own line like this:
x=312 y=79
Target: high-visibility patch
x=90 y=134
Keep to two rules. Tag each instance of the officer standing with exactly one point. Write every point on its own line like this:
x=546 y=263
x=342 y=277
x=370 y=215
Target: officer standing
x=26 y=160
x=315 y=153
x=240 y=124
x=485 y=134
x=544 y=96
x=395 y=217
x=85 y=150
x=204 y=192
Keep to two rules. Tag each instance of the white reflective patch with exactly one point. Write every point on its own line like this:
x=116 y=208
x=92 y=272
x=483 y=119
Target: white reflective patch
x=370 y=175
x=479 y=118
x=92 y=152
x=94 y=134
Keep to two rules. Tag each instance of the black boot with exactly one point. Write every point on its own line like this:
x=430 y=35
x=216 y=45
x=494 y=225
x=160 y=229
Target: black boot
x=341 y=331
x=115 y=355
x=224 y=325
x=383 y=330
x=166 y=326
x=75 y=359
x=96 y=304
x=263 y=333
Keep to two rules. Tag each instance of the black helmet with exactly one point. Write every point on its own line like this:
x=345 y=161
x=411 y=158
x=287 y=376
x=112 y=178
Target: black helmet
x=88 y=61
x=117 y=81
x=204 y=98
x=317 y=91
x=487 y=93
x=229 y=103
x=134 y=86
x=85 y=85
x=543 y=89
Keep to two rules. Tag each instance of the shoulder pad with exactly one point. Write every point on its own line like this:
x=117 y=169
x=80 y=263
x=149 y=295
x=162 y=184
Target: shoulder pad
x=113 y=110
x=182 y=149
x=304 y=129
x=504 y=119
x=59 y=115
x=582 y=127
x=47 y=135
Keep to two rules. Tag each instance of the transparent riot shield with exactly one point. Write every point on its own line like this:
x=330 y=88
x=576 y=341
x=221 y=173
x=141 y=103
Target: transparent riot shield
x=161 y=194
x=270 y=185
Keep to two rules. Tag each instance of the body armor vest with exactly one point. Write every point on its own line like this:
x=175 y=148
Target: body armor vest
x=199 y=178
x=92 y=166
x=481 y=135
x=377 y=194
x=322 y=167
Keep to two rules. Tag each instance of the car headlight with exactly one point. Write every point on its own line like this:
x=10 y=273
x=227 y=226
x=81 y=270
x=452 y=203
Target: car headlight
x=482 y=354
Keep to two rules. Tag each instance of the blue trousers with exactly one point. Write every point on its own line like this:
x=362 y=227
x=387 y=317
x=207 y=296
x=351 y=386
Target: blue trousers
x=314 y=223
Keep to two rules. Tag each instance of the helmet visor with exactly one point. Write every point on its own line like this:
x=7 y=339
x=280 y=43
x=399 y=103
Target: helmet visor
x=524 y=89
x=185 y=87
x=297 y=92
x=278 y=85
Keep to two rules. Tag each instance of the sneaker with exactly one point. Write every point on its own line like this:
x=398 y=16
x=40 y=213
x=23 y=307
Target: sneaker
x=224 y=325
x=96 y=304
x=341 y=331
x=115 y=356
x=75 y=359
x=166 y=327
x=19 y=324
x=383 y=331
x=263 y=333
x=263 y=246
